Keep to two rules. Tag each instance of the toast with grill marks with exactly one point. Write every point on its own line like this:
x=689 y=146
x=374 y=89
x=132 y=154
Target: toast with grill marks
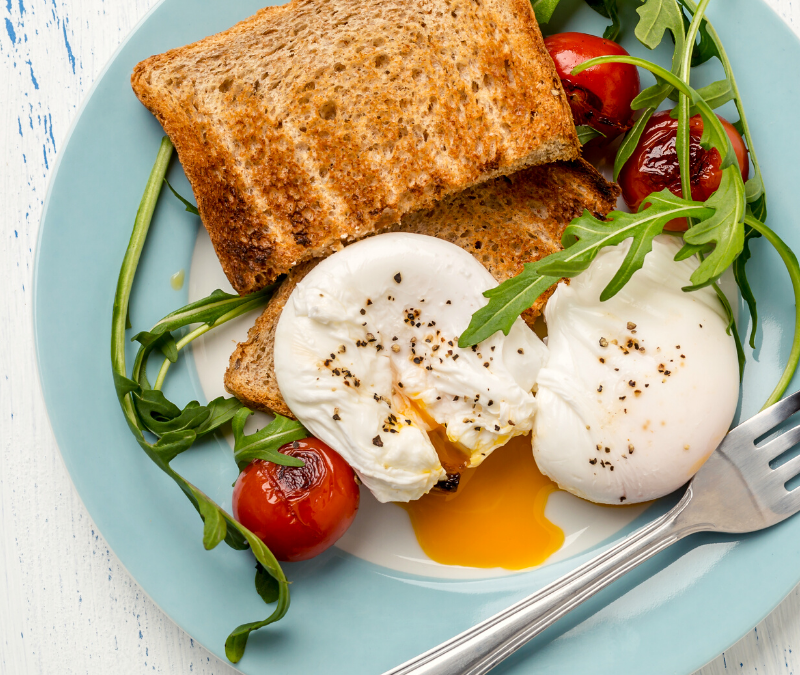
x=504 y=223
x=318 y=122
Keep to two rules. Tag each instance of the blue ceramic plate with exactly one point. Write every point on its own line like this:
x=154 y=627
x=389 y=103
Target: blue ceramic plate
x=672 y=615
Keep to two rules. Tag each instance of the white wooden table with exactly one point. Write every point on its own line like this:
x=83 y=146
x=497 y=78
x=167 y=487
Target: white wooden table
x=66 y=604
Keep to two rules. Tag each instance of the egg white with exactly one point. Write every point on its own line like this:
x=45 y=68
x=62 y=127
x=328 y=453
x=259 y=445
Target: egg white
x=637 y=391
x=366 y=357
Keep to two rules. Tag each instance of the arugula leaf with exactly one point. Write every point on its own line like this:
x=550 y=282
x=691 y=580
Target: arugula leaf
x=754 y=188
x=631 y=140
x=266 y=585
x=715 y=94
x=135 y=392
x=689 y=250
x=151 y=406
x=714 y=134
x=656 y=17
x=173 y=443
x=740 y=274
x=264 y=444
x=608 y=9
x=221 y=410
x=756 y=197
x=124 y=385
x=154 y=404
x=150 y=341
x=169 y=348
x=652 y=97
x=191 y=208
x=211 y=309
x=543 y=9
x=583 y=239
x=706 y=48
x=731 y=327
x=237 y=640
x=587 y=133
x=725 y=228
x=758 y=207
x=214 y=527
x=790 y=260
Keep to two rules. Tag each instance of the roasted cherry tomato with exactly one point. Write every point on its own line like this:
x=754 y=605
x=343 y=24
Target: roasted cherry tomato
x=297 y=512
x=654 y=163
x=600 y=96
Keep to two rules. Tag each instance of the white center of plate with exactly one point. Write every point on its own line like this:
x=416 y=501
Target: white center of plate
x=382 y=533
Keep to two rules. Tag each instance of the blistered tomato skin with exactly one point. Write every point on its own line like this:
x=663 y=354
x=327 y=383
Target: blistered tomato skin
x=599 y=96
x=298 y=512
x=654 y=163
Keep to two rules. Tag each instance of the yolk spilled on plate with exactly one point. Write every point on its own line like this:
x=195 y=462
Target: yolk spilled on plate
x=495 y=518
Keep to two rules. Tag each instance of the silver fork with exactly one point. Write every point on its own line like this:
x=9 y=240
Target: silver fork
x=735 y=491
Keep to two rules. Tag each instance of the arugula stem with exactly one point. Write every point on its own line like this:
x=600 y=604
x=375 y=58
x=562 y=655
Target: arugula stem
x=709 y=116
x=130 y=262
x=197 y=332
x=218 y=525
x=683 y=141
x=792 y=266
x=728 y=68
x=185 y=340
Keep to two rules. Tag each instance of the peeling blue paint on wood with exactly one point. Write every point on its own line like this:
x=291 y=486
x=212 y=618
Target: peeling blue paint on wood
x=11 y=33
x=69 y=49
x=33 y=77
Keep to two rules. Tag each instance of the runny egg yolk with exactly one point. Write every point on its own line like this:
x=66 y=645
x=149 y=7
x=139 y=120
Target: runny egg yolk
x=496 y=516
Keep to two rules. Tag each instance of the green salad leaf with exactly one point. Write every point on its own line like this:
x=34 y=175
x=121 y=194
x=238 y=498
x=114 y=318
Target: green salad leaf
x=587 y=133
x=211 y=310
x=631 y=140
x=583 y=239
x=608 y=9
x=719 y=231
x=725 y=228
x=706 y=48
x=793 y=267
x=715 y=94
x=266 y=586
x=148 y=411
x=544 y=9
x=264 y=444
x=191 y=208
x=237 y=640
x=740 y=274
x=656 y=19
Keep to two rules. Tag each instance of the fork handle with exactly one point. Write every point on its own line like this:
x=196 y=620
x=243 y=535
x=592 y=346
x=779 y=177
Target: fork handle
x=482 y=647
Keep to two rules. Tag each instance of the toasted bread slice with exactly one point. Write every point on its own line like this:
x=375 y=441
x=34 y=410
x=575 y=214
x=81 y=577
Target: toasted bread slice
x=504 y=223
x=317 y=122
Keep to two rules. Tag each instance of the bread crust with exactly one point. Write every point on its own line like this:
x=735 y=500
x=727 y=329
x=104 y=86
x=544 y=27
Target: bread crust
x=315 y=123
x=504 y=223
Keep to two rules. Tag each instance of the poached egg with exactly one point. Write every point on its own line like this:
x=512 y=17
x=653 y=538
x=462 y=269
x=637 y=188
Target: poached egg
x=367 y=358
x=637 y=391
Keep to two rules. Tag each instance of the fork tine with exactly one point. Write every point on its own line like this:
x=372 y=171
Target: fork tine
x=777 y=446
x=770 y=418
x=789 y=470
